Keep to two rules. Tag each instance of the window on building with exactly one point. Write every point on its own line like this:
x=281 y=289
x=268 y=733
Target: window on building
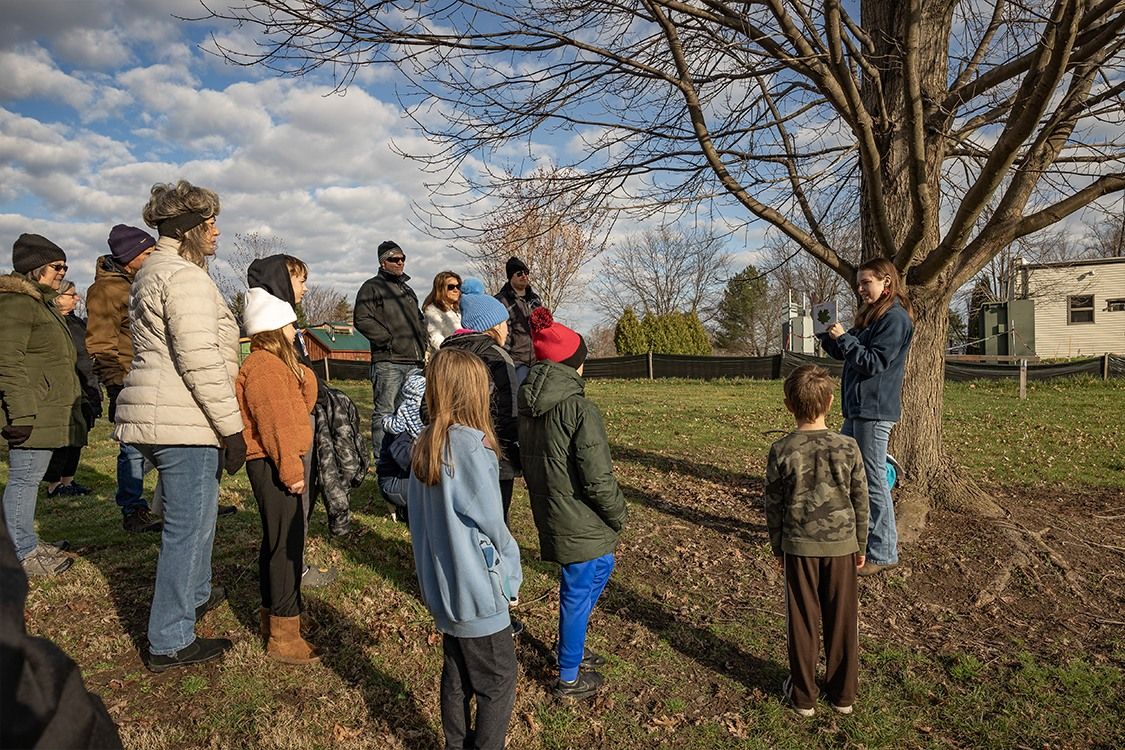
x=1080 y=308
x=1115 y=305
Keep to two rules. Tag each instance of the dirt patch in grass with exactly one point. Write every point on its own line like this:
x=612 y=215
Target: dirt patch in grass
x=964 y=586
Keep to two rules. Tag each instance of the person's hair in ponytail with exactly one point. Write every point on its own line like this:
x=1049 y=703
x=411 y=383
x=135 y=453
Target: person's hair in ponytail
x=894 y=289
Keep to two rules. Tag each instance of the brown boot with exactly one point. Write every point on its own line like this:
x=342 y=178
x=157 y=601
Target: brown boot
x=286 y=644
x=264 y=624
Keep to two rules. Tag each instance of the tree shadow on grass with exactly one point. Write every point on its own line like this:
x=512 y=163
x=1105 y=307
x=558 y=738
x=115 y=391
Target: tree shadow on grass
x=388 y=699
x=697 y=643
x=92 y=525
x=699 y=470
x=749 y=532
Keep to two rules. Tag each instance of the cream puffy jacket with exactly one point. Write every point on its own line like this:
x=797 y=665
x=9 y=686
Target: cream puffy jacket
x=180 y=390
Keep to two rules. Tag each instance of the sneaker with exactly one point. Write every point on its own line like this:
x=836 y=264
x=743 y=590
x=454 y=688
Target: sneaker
x=59 y=491
x=586 y=686
x=228 y=510
x=44 y=562
x=845 y=710
x=74 y=488
x=517 y=628
x=218 y=596
x=315 y=578
x=61 y=545
x=870 y=569
x=141 y=520
x=590 y=660
x=787 y=690
x=198 y=651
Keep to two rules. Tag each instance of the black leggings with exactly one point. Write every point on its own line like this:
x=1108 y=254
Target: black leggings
x=506 y=486
x=281 y=556
x=64 y=463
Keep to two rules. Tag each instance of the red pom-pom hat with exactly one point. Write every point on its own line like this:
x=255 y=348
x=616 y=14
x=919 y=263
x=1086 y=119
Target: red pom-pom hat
x=555 y=342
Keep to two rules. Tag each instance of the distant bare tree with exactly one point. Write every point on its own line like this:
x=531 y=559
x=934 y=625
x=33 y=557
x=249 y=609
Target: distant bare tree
x=662 y=271
x=553 y=231
x=599 y=341
x=1106 y=238
x=229 y=269
x=325 y=304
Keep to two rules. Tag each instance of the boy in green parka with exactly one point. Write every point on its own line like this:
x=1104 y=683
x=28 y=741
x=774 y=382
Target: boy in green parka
x=578 y=508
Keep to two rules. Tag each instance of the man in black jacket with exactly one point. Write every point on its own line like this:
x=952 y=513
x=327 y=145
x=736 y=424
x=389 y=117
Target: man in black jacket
x=387 y=313
x=520 y=299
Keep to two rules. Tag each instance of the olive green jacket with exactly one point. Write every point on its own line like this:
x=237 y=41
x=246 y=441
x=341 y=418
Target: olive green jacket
x=38 y=383
x=578 y=507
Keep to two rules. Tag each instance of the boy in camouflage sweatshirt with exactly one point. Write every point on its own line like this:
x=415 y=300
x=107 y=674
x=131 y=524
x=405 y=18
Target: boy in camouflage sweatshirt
x=816 y=512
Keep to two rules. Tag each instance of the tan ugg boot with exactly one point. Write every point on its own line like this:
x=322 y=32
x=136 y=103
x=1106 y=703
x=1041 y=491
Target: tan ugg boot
x=264 y=624
x=286 y=644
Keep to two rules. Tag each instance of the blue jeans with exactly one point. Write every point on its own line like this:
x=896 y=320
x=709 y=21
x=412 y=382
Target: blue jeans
x=131 y=470
x=882 y=536
x=189 y=475
x=580 y=585
x=386 y=382
x=26 y=468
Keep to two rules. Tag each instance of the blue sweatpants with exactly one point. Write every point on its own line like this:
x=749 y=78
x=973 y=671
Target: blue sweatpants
x=580 y=585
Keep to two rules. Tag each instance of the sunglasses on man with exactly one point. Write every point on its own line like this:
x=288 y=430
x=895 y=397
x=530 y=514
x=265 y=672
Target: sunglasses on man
x=59 y=267
x=397 y=259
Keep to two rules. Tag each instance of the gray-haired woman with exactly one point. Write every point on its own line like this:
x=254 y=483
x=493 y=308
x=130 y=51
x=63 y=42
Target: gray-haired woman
x=179 y=410
x=39 y=392
x=64 y=461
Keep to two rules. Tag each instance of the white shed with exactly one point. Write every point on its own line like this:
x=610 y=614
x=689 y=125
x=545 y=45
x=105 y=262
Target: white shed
x=1079 y=305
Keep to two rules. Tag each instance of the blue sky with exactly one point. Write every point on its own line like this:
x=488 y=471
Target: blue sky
x=102 y=98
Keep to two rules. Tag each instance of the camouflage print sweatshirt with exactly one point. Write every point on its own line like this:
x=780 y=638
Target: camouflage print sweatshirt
x=816 y=495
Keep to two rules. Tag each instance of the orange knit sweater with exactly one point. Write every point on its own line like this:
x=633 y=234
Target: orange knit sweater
x=275 y=413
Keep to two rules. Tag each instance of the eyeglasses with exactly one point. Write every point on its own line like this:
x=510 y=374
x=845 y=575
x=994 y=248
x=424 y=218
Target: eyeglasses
x=397 y=259
x=520 y=273
x=451 y=287
x=59 y=267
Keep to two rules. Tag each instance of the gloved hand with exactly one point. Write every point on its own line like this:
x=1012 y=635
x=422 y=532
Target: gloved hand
x=114 y=391
x=89 y=414
x=234 y=452
x=16 y=434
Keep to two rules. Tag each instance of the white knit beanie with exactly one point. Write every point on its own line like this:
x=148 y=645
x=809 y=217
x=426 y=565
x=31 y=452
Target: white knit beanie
x=265 y=312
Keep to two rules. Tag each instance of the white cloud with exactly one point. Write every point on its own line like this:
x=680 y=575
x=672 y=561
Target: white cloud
x=32 y=74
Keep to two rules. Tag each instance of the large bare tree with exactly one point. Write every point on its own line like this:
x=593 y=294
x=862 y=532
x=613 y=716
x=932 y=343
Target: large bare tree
x=912 y=114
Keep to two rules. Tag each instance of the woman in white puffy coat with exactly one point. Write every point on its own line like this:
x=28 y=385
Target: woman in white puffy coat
x=179 y=410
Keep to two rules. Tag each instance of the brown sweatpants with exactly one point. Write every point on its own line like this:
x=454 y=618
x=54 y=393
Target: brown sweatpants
x=822 y=591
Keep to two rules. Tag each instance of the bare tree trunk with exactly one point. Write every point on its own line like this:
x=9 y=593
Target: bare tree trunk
x=934 y=478
x=895 y=189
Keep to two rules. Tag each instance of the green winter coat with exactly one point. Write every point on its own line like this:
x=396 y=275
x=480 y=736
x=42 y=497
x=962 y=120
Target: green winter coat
x=578 y=507
x=38 y=382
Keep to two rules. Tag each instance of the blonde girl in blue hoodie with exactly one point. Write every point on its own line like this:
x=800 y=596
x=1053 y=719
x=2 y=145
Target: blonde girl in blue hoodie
x=468 y=564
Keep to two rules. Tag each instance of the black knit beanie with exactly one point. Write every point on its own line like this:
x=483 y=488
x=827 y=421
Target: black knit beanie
x=514 y=266
x=386 y=248
x=30 y=251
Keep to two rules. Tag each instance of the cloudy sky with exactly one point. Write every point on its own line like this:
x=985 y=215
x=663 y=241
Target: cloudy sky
x=100 y=99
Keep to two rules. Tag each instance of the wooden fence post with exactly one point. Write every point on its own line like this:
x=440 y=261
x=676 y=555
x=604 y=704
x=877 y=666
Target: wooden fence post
x=650 y=376
x=1023 y=379
x=327 y=379
x=1105 y=366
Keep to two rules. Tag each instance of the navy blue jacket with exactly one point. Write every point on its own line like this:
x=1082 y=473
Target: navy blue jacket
x=874 y=358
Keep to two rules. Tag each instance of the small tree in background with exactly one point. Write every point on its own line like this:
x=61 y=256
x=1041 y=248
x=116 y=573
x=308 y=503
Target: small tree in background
x=629 y=336
x=745 y=317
